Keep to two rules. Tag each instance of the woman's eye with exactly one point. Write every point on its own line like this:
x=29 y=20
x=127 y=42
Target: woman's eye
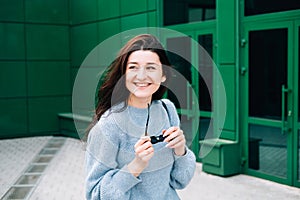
x=150 y=67
x=132 y=67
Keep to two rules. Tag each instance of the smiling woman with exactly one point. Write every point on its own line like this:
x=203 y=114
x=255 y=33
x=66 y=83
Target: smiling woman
x=123 y=163
x=144 y=75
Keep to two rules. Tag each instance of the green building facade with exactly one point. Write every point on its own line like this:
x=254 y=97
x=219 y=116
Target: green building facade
x=254 y=45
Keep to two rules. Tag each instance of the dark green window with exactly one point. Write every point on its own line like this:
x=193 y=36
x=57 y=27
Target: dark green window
x=254 y=7
x=184 y=11
x=206 y=68
x=267 y=75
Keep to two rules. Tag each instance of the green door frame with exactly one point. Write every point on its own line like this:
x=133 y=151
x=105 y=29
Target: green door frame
x=292 y=98
x=194 y=30
x=296 y=122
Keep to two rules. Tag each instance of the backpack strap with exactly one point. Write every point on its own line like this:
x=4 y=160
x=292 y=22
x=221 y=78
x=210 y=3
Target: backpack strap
x=166 y=108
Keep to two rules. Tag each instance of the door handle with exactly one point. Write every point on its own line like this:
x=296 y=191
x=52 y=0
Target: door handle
x=284 y=124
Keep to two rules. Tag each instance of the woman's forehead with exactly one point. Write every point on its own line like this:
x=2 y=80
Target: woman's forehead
x=144 y=57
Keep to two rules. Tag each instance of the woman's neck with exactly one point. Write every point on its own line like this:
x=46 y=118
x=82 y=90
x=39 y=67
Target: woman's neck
x=139 y=102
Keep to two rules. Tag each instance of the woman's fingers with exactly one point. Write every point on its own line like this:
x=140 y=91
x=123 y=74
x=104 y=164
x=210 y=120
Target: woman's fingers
x=174 y=137
x=143 y=149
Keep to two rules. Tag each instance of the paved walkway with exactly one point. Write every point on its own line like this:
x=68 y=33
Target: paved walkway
x=52 y=168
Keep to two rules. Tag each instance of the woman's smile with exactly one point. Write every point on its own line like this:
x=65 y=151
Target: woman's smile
x=144 y=74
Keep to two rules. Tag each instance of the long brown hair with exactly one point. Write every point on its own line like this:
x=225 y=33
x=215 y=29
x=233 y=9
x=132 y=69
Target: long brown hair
x=113 y=82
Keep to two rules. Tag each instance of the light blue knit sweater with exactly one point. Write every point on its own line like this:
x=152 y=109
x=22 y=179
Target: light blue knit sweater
x=110 y=148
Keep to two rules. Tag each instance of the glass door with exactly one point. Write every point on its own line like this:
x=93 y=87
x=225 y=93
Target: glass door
x=180 y=91
x=269 y=98
x=297 y=106
x=191 y=55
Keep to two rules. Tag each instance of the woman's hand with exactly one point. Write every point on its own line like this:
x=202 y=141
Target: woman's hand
x=144 y=151
x=176 y=140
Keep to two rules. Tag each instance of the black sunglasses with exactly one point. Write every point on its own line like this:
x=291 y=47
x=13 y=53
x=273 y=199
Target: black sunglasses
x=154 y=139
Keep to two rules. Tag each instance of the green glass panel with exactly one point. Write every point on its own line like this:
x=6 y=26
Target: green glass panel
x=298 y=74
x=133 y=6
x=43 y=112
x=47 y=42
x=13 y=116
x=108 y=9
x=12 y=41
x=12 y=79
x=226 y=31
x=152 y=4
x=228 y=75
x=152 y=19
x=134 y=21
x=53 y=11
x=83 y=11
x=12 y=10
x=266 y=76
x=184 y=11
x=84 y=39
x=49 y=78
x=179 y=54
x=108 y=28
x=267 y=150
x=254 y=7
x=298 y=104
x=298 y=152
x=206 y=72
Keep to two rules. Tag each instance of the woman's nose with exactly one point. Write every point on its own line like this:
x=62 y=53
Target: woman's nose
x=141 y=73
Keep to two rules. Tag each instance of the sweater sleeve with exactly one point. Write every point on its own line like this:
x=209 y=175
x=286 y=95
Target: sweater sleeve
x=104 y=179
x=183 y=170
x=184 y=166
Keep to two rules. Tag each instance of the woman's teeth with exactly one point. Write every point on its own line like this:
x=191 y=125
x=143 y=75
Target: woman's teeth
x=142 y=84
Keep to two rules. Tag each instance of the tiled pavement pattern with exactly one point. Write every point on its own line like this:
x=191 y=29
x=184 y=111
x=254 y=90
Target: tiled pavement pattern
x=63 y=177
x=273 y=160
x=15 y=157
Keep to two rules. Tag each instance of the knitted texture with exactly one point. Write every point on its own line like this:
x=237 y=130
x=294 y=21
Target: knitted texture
x=110 y=148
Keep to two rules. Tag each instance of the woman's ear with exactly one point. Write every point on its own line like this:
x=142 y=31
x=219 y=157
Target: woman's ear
x=163 y=78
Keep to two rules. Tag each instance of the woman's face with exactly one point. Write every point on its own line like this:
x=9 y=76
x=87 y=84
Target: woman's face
x=144 y=74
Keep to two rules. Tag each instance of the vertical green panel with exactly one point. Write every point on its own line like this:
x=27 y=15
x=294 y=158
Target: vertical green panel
x=12 y=79
x=152 y=4
x=152 y=19
x=12 y=10
x=226 y=37
x=83 y=11
x=134 y=21
x=84 y=39
x=43 y=113
x=108 y=9
x=13 y=117
x=12 y=41
x=47 y=42
x=133 y=6
x=228 y=74
x=51 y=11
x=48 y=78
x=108 y=28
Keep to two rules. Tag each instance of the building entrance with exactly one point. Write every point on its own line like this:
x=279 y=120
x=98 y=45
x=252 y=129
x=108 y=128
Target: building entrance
x=270 y=100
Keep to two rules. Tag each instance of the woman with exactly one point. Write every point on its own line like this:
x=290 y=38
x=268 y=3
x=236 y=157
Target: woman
x=122 y=163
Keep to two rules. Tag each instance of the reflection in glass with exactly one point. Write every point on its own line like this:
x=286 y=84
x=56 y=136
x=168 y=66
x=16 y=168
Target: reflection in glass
x=186 y=125
x=254 y=7
x=179 y=54
x=184 y=11
x=267 y=72
x=204 y=132
x=206 y=71
x=267 y=150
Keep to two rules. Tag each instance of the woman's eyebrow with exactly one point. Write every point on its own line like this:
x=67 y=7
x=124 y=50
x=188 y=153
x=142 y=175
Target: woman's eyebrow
x=148 y=63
